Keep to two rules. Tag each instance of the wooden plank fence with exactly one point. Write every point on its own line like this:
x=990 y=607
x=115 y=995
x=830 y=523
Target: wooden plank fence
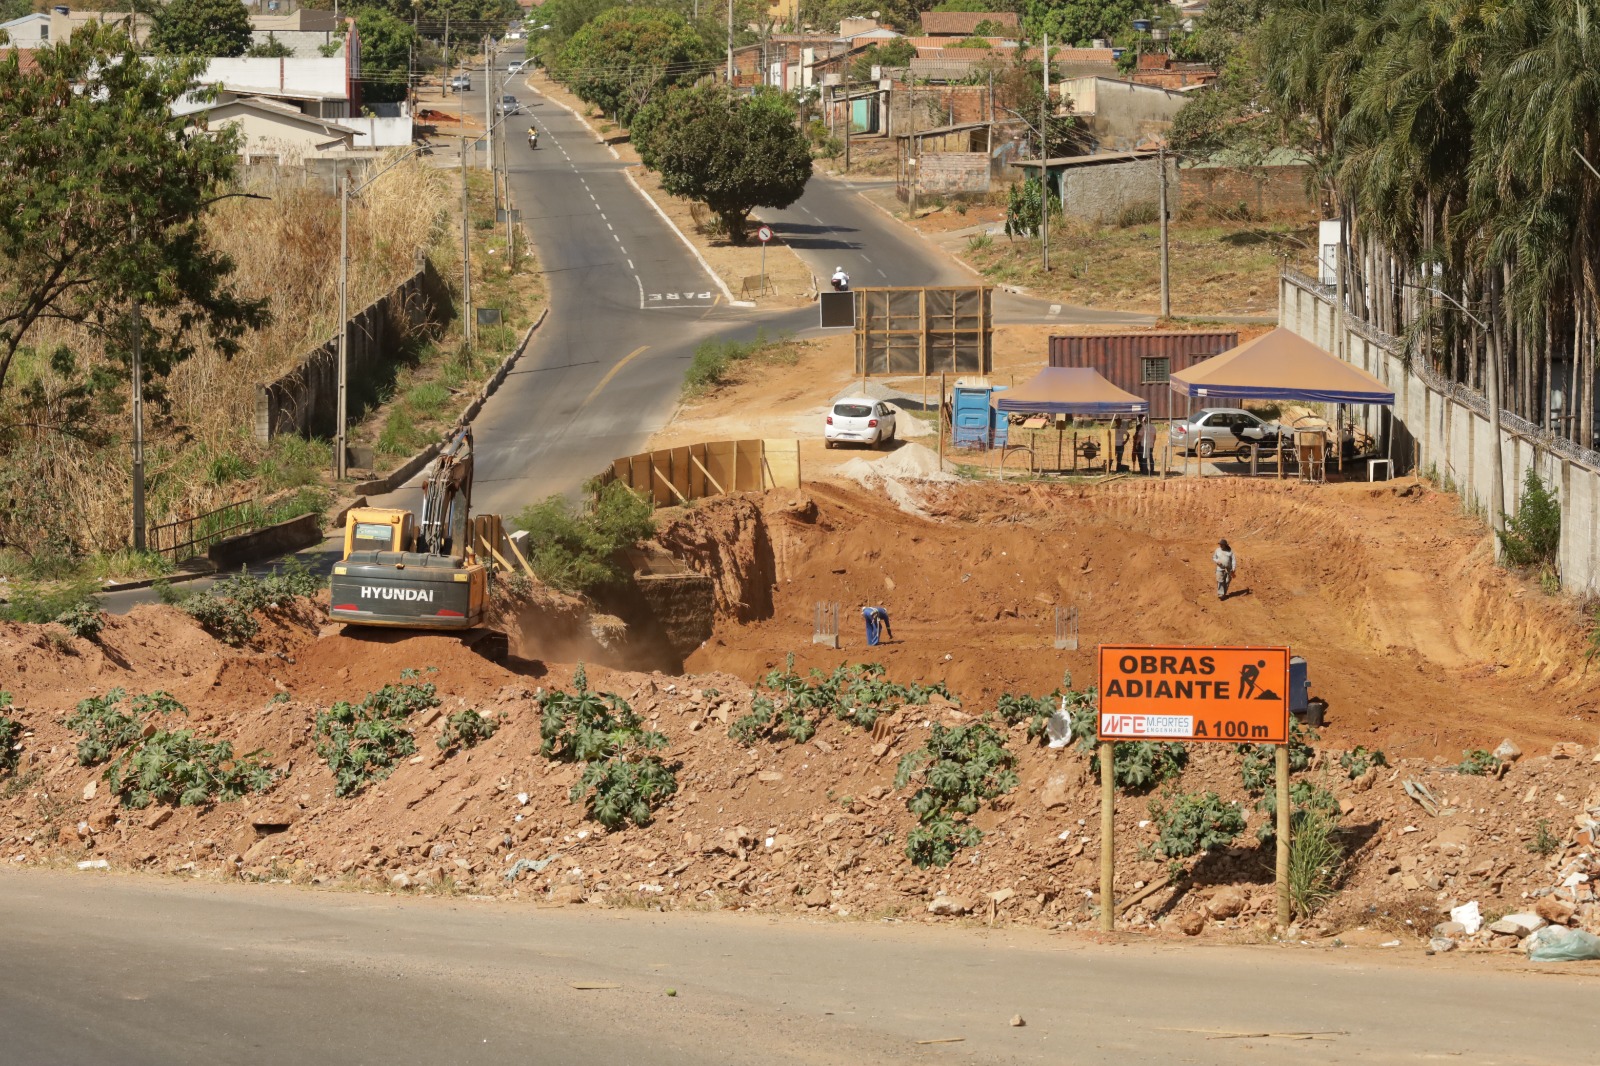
x=694 y=471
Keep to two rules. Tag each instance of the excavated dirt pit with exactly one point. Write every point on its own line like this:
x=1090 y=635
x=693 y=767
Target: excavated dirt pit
x=1419 y=645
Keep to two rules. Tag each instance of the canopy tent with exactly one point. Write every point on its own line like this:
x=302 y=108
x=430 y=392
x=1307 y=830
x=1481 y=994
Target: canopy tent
x=1070 y=390
x=1280 y=366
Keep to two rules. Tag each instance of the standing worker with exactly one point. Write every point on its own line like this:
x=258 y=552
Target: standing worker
x=1143 y=444
x=876 y=617
x=1226 y=563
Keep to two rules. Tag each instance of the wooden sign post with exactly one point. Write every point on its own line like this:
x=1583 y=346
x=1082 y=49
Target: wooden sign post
x=1230 y=695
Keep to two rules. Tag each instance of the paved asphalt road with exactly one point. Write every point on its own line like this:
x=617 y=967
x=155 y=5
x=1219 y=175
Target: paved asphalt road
x=132 y=970
x=629 y=302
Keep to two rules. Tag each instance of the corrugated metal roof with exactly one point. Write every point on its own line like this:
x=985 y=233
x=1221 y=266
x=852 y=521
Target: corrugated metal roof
x=1120 y=357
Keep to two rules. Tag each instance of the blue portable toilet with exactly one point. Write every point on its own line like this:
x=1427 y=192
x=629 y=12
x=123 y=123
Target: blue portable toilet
x=974 y=422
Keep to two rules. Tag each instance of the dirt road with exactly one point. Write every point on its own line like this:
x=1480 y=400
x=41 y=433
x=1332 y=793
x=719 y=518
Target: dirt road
x=136 y=970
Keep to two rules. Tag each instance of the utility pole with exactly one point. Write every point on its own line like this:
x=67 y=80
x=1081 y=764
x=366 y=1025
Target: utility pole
x=341 y=416
x=847 y=120
x=466 y=252
x=1044 y=164
x=730 y=44
x=1166 y=284
x=447 y=63
x=488 y=105
x=505 y=182
x=138 y=427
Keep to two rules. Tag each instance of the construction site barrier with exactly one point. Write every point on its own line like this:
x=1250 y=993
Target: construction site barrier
x=694 y=471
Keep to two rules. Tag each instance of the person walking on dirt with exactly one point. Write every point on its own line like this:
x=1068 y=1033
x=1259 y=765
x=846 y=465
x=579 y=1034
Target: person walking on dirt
x=1226 y=563
x=877 y=619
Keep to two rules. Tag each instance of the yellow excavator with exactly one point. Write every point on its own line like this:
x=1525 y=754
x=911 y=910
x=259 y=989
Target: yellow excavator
x=422 y=572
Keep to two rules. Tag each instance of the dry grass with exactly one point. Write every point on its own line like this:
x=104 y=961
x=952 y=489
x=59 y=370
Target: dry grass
x=1217 y=267
x=69 y=492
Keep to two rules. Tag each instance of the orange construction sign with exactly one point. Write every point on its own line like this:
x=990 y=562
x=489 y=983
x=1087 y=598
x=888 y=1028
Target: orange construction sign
x=1150 y=692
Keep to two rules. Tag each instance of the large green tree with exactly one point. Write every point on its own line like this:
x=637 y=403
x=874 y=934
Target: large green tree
x=386 y=43
x=625 y=57
x=103 y=202
x=731 y=151
x=1074 y=22
x=201 y=28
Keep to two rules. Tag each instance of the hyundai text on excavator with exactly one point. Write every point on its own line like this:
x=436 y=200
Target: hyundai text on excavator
x=427 y=572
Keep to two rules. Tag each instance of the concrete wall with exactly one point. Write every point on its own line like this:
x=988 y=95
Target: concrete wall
x=319 y=76
x=1441 y=429
x=1100 y=193
x=269 y=138
x=929 y=107
x=1263 y=191
x=305 y=400
x=305 y=44
x=374 y=132
x=947 y=173
x=1119 y=115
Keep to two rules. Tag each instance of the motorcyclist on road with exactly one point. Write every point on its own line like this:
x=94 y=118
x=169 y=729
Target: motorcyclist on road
x=533 y=137
x=841 y=280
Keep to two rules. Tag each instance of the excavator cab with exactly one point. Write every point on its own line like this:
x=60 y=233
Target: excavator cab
x=417 y=573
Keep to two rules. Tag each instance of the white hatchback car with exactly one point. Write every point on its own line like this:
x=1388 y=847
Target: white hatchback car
x=859 y=420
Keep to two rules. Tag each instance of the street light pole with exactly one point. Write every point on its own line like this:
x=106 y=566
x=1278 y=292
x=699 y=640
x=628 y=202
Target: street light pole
x=340 y=451
x=138 y=427
x=466 y=252
x=1044 y=163
x=1166 y=286
x=730 y=44
x=488 y=113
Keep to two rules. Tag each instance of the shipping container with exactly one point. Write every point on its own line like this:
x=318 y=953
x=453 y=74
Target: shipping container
x=1142 y=362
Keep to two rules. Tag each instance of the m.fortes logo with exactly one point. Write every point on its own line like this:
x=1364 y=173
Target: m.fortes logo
x=369 y=592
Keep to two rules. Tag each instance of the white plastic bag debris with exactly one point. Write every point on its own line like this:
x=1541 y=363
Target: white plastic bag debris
x=1554 y=943
x=1467 y=914
x=1059 y=728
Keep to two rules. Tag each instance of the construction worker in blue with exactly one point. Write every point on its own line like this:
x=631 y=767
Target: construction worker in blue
x=876 y=617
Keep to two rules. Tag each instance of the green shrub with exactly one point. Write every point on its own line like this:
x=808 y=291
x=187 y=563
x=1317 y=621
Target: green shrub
x=1532 y=536
x=1478 y=763
x=1193 y=823
x=228 y=609
x=466 y=729
x=1544 y=843
x=623 y=779
x=292 y=461
x=1260 y=760
x=83 y=620
x=30 y=602
x=10 y=737
x=363 y=742
x=1035 y=710
x=227 y=468
x=108 y=727
x=858 y=693
x=576 y=550
x=401 y=435
x=1143 y=765
x=179 y=767
x=1316 y=862
x=959 y=769
x=714 y=361
x=1305 y=800
x=1359 y=760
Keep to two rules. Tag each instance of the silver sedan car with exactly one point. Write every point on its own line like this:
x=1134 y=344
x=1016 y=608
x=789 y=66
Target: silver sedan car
x=1229 y=429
